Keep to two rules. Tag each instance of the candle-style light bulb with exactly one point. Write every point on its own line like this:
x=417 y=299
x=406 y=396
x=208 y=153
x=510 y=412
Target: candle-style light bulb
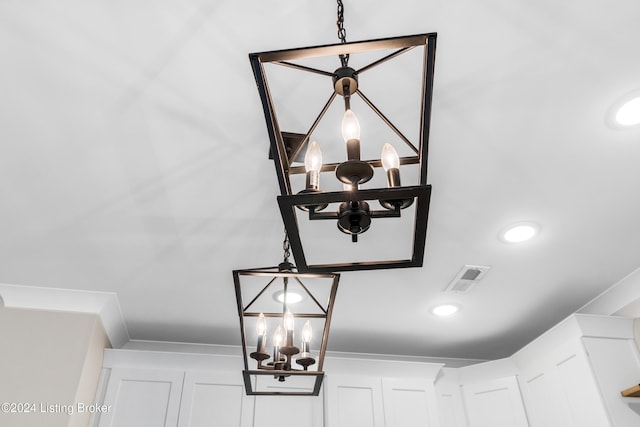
x=278 y=338
x=313 y=164
x=389 y=157
x=288 y=321
x=306 y=338
x=261 y=328
x=351 y=135
x=261 y=325
x=307 y=332
x=350 y=126
x=313 y=158
x=391 y=164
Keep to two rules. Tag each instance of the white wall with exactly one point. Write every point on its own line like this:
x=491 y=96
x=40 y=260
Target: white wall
x=51 y=361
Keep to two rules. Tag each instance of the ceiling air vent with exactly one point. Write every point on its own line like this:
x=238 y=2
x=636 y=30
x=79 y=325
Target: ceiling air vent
x=466 y=278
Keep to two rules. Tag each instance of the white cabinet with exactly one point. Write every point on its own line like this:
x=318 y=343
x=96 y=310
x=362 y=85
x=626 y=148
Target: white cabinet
x=569 y=377
x=572 y=376
x=160 y=389
x=559 y=388
x=495 y=403
x=362 y=401
x=287 y=411
x=214 y=399
x=409 y=403
x=156 y=389
x=451 y=408
x=142 y=398
x=353 y=401
x=616 y=367
x=139 y=397
x=545 y=400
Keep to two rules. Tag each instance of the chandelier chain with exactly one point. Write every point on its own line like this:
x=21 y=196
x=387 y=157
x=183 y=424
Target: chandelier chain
x=286 y=247
x=342 y=32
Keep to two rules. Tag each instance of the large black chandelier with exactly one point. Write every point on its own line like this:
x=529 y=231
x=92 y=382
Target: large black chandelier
x=361 y=196
x=274 y=304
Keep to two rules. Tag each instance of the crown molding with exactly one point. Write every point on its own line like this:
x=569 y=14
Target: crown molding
x=104 y=304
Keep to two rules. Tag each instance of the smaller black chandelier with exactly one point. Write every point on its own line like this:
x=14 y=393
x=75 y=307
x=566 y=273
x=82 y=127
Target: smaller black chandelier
x=296 y=153
x=273 y=303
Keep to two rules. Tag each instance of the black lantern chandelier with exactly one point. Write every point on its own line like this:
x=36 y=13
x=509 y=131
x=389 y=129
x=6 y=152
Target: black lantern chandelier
x=274 y=303
x=354 y=207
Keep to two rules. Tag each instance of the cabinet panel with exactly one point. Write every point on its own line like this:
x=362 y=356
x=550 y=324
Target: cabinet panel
x=615 y=366
x=287 y=411
x=451 y=413
x=581 y=392
x=409 y=403
x=142 y=398
x=214 y=399
x=544 y=402
x=495 y=403
x=451 y=410
x=354 y=402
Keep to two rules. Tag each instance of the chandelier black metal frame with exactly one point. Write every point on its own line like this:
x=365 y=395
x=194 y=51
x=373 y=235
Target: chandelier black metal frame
x=259 y=292
x=351 y=209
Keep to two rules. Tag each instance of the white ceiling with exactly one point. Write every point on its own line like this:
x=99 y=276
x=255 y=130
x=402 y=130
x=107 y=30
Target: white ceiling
x=133 y=159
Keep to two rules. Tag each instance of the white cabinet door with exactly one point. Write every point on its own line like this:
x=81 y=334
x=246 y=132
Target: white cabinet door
x=142 y=398
x=212 y=399
x=353 y=401
x=409 y=403
x=546 y=403
x=616 y=367
x=495 y=403
x=450 y=405
x=581 y=391
x=451 y=410
x=287 y=411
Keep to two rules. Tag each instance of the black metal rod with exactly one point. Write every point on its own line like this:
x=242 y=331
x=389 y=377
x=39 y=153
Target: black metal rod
x=387 y=121
x=385 y=59
x=285 y=280
x=323 y=215
x=299 y=315
x=316 y=387
x=259 y=294
x=256 y=273
x=327 y=323
x=343 y=48
x=376 y=163
x=285 y=372
x=236 y=281
x=427 y=95
x=303 y=68
x=398 y=193
x=420 y=230
x=386 y=213
x=314 y=125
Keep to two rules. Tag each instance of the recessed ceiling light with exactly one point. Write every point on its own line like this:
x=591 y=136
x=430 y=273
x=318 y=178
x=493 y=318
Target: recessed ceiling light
x=444 y=310
x=292 y=297
x=629 y=113
x=520 y=232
